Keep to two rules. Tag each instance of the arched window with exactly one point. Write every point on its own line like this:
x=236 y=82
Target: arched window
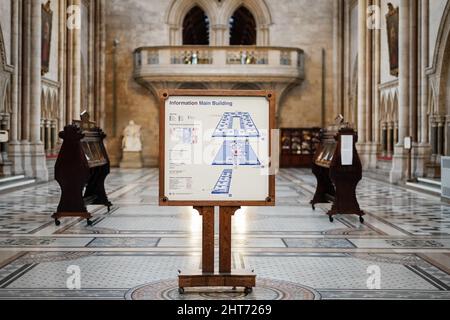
x=196 y=27
x=242 y=28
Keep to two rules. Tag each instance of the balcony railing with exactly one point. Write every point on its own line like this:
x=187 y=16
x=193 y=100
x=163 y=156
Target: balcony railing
x=233 y=63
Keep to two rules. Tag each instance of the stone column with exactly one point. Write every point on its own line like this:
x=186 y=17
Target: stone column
x=54 y=137
x=42 y=134
x=424 y=147
x=396 y=139
x=26 y=111
x=76 y=69
x=362 y=79
x=370 y=84
x=262 y=36
x=376 y=81
x=390 y=138
x=14 y=148
x=48 y=136
x=413 y=71
x=338 y=56
x=440 y=138
x=447 y=135
x=38 y=162
x=384 y=139
x=61 y=63
x=433 y=139
x=363 y=148
x=424 y=65
x=26 y=18
x=218 y=35
x=399 y=166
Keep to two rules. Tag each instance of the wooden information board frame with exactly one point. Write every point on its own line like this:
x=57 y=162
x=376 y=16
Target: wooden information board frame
x=207 y=277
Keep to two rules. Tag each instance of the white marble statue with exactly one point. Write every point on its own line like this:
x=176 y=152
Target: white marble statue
x=132 y=138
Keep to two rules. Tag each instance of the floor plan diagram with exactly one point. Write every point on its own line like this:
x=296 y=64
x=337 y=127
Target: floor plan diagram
x=237 y=125
x=237 y=129
x=224 y=183
x=236 y=153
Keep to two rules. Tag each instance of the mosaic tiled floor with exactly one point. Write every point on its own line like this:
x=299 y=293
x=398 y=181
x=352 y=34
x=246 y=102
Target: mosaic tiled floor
x=135 y=251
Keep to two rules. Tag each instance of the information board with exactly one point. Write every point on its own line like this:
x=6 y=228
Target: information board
x=215 y=148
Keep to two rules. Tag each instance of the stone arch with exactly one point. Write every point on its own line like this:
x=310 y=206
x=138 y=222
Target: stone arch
x=260 y=12
x=258 y=8
x=177 y=11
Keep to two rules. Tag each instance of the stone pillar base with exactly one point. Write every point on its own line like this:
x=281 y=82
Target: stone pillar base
x=131 y=160
x=421 y=158
x=15 y=155
x=38 y=162
x=373 y=154
x=5 y=169
x=26 y=159
x=399 y=165
x=365 y=152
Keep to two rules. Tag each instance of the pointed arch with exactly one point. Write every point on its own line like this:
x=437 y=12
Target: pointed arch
x=196 y=27
x=177 y=11
x=243 y=29
x=258 y=8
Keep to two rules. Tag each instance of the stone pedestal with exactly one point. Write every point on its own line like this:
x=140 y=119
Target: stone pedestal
x=373 y=154
x=421 y=159
x=131 y=160
x=15 y=155
x=5 y=169
x=365 y=151
x=26 y=154
x=399 y=165
x=39 y=162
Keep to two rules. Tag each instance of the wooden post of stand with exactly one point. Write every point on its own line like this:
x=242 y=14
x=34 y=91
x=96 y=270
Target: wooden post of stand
x=208 y=277
x=226 y=213
x=207 y=214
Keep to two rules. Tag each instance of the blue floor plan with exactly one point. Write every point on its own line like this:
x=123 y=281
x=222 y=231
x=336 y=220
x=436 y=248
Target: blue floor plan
x=236 y=125
x=236 y=153
x=224 y=183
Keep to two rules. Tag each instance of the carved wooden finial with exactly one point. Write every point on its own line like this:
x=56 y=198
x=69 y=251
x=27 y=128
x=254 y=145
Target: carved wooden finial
x=85 y=123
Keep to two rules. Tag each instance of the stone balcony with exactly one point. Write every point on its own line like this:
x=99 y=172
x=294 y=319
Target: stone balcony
x=218 y=67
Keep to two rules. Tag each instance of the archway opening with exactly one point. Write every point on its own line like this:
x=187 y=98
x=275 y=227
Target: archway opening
x=242 y=28
x=196 y=27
